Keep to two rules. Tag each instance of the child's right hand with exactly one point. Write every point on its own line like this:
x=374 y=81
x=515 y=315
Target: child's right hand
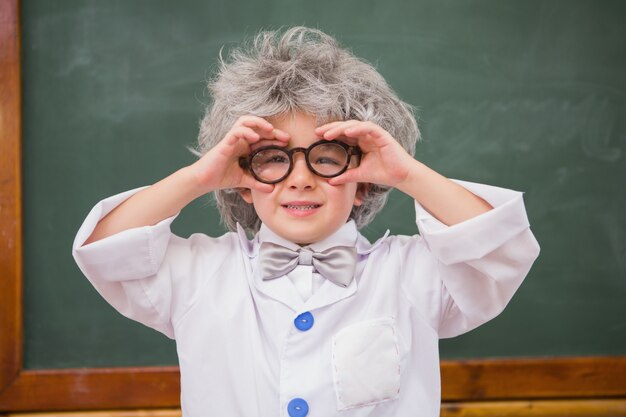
x=219 y=168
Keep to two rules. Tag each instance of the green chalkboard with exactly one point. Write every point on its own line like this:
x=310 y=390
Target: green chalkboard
x=529 y=95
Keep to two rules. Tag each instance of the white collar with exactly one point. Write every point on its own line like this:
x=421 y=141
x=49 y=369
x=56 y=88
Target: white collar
x=346 y=235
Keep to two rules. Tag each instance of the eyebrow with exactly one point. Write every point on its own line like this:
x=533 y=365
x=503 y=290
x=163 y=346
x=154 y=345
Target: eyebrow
x=265 y=142
x=269 y=142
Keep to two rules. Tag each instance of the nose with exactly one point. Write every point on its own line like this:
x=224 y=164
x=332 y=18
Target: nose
x=300 y=177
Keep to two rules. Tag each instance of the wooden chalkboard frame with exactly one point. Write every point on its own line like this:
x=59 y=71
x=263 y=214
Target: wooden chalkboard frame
x=157 y=387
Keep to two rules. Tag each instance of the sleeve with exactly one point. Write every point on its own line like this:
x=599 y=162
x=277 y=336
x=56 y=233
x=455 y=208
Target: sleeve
x=472 y=268
x=146 y=273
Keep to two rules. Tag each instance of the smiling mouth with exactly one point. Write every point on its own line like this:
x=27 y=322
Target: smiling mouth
x=301 y=207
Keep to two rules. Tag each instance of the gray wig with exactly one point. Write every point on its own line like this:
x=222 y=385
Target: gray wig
x=302 y=70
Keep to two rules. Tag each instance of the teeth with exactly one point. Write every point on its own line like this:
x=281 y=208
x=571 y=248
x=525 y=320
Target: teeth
x=301 y=207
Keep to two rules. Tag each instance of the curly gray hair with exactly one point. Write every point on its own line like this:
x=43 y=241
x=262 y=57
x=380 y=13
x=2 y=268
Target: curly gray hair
x=304 y=70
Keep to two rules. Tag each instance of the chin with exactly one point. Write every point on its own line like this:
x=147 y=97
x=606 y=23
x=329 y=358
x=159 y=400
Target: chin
x=303 y=239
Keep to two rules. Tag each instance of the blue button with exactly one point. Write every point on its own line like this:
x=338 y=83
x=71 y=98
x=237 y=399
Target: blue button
x=304 y=321
x=297 y=408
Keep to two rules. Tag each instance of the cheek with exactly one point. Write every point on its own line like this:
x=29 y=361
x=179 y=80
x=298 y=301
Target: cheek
x=246 y=195
x=261 y=201
x=345 y=197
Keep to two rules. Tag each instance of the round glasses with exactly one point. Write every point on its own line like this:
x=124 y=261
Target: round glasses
x=325 y=158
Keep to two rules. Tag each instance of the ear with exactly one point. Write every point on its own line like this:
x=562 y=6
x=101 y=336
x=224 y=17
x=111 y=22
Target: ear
x=246 y=194
x=362 y=190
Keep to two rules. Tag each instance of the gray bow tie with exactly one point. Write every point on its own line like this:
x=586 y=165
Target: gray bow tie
x=336 y=264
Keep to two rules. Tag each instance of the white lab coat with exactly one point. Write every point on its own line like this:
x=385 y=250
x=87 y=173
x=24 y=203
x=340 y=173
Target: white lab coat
x=373 y=346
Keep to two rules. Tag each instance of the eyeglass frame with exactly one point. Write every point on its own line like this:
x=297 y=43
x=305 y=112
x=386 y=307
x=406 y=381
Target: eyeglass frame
x=245 y=162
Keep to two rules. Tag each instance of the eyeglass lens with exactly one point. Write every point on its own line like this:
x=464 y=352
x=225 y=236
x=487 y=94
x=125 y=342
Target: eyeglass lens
x=325 y=159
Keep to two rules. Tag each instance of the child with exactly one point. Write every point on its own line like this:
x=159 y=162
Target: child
x=301 y=146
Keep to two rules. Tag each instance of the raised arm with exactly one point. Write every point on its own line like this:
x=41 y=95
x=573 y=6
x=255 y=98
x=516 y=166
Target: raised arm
x=126 y=249
x=475 y=245
x=217 y=169
x=385 y=162
x=446 y=200
x=151 y=205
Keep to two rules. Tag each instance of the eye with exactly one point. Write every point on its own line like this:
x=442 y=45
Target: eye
x=276 y=159
x=328 y=155
x=270 y=157
x=325 y=160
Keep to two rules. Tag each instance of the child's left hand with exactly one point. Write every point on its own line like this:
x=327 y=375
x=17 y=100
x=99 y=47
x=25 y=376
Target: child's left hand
x=384 y=160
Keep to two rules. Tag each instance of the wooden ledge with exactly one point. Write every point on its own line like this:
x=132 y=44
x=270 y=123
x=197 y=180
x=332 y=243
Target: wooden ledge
x=556 y=408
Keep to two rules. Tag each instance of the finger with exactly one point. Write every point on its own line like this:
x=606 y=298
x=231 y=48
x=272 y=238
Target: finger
x=262 y=187
x=347 y=140
x=255 y=121
x=364 y=129
x=323 y=128
x=248 y=181
x=349 y=176
x=339 y=130
x=244 y=133
x=367 y=130
x=281 y=135
x=272 y=134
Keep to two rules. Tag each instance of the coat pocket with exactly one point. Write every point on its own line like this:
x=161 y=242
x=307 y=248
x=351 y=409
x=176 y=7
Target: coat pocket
x=366 y=363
